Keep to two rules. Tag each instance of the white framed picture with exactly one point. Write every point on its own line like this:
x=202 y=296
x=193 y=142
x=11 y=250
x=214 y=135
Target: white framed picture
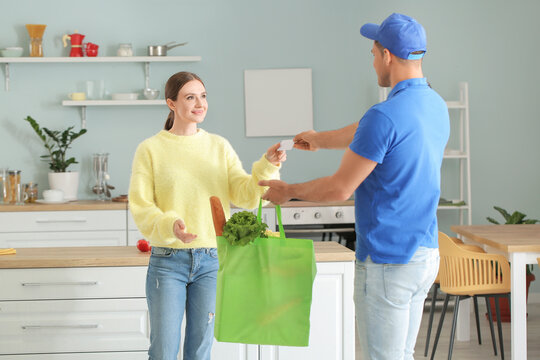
x=279 y=102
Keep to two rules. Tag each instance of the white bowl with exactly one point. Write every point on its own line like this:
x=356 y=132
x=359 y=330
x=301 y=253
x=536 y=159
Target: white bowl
x=125 y=96
x=11 y=51
x=151 y=94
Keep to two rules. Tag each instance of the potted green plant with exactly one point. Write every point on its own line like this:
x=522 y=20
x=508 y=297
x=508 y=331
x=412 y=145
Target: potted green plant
x=516 y=217
x=57 y=143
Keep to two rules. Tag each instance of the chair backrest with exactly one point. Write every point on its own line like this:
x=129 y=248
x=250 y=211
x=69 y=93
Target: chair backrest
x=462 y=244
x=466 y=271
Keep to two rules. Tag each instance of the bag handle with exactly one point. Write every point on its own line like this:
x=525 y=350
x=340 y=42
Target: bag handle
x=278 y=214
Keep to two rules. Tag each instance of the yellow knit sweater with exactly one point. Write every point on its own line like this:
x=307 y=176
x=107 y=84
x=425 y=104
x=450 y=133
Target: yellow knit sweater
x=173 y=178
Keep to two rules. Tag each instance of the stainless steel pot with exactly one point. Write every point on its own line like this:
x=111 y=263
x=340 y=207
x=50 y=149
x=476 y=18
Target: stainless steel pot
x=161 y=50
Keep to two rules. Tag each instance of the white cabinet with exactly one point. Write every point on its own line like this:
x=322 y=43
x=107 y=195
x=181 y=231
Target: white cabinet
x=63 y=228
x=73 y=313
x=332 y=334
x=82 y=311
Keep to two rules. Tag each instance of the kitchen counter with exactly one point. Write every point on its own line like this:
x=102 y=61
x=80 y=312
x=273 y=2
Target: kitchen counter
x=94 y=256
x=111 y=205
x=72 y=205
x=316 y=204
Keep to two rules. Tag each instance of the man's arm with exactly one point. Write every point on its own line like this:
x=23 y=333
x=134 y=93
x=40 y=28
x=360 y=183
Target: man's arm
x=338 y=187
x=333 y=139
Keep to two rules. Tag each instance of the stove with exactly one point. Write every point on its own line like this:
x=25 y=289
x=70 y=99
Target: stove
x=320 y=223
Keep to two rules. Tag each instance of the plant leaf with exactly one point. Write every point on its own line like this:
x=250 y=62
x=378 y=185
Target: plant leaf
x=503 y=212
x=516 y=218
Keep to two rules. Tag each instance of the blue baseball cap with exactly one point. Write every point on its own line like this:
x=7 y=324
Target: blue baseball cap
x=400 y=34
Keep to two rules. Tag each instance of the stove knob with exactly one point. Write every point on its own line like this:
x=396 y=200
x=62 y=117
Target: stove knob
x=339 y=215
x=296 y=216
x=317 y=215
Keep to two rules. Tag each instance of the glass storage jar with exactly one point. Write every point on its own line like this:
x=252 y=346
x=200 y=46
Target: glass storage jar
x=4 y=186
x=124 y=50
x=31 y=190
x=14 y=186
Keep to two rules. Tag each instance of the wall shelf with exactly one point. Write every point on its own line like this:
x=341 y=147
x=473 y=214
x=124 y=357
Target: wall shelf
x=112 y=102
x=98 y=59
x=84 y=103
x=146 y=60
x=67 y=59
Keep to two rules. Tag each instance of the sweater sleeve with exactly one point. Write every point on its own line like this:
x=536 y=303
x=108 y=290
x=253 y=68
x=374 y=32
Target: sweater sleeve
x=244 y=189
x=152 y=222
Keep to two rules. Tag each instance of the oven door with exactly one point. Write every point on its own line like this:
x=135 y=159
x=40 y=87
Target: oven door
x=320 y=223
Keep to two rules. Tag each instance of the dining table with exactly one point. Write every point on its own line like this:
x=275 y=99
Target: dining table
x=520 y=243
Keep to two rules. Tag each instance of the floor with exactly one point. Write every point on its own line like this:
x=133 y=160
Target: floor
x=471 y=349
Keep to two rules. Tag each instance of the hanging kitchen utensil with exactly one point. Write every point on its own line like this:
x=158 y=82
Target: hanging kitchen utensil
x=161 y=50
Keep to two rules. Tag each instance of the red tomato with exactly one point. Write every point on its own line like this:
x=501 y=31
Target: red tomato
x=143 y=245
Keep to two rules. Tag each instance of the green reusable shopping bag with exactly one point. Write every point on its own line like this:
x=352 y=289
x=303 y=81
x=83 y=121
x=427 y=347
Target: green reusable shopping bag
x=264 y=290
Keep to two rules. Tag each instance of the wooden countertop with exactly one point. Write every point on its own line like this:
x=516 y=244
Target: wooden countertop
x=507 y=237
x=61 y=257
x=72 y=205
x=111 y=205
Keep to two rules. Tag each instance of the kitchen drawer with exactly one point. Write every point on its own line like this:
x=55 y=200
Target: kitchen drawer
x=60 y=239
x=38 y=221
x=131 y=355
x=72 y=283
x=58 y=326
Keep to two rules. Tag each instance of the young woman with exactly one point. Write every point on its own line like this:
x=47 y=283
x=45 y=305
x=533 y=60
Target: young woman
x=174 y=173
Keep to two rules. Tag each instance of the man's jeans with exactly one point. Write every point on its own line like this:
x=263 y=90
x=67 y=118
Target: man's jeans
x=178 y=279
x=389 y=301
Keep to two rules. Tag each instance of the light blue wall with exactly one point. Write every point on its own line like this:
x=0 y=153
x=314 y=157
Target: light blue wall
x=491 y=44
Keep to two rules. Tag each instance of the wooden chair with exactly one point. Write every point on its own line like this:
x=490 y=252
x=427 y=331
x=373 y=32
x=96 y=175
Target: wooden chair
x=436 y=286
x=465 y=273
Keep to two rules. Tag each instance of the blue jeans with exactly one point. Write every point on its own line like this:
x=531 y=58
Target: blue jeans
x=389 y=301
x=179 y=279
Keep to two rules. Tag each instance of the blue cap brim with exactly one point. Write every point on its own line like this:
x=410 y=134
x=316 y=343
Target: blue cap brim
x=370 y=31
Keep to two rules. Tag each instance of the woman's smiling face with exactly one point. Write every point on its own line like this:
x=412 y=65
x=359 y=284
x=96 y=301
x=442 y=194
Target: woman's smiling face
x=190 y=105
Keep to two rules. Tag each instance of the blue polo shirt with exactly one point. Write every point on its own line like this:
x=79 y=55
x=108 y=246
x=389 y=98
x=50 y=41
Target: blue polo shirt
x=396 y=205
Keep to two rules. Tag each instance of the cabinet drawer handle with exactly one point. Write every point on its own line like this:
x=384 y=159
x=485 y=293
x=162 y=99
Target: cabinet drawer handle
x=45 y=221
x=85 y=283
x=79 y=326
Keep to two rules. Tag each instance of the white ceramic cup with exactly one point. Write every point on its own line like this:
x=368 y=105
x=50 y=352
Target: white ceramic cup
x=53 y=195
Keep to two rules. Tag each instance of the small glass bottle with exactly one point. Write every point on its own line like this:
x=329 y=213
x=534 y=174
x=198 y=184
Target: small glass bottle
x=124 y=50
x=31 y=190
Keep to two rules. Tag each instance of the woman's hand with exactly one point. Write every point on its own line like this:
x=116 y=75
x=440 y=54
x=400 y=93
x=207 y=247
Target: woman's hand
x=179 y=228
x=275 y=156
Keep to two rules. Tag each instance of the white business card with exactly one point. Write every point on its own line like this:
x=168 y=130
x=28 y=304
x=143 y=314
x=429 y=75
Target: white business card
x=286 y=144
